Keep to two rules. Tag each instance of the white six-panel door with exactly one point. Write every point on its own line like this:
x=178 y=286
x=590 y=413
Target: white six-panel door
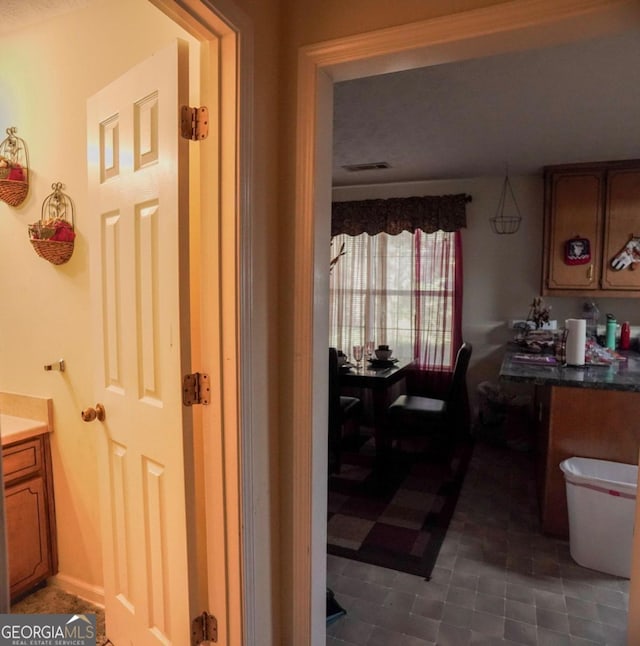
x=138 y=175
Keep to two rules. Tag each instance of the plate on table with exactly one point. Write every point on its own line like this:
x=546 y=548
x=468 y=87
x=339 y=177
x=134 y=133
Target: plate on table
x=345 y=367
x=382 y=363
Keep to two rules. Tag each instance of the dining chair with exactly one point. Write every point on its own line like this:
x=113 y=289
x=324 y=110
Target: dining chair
x=342 y=409
x=440 y=419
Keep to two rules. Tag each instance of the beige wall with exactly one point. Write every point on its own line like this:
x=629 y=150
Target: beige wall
x=48 y=72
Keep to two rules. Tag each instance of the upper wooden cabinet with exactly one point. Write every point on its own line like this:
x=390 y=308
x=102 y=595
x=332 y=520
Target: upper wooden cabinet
x=599 y=202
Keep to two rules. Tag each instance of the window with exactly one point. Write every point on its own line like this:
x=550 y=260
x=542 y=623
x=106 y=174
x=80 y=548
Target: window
x=402 y=290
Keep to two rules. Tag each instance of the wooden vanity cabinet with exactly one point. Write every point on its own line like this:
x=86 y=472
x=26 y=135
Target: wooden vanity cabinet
x=600 y=202
x=30 y=513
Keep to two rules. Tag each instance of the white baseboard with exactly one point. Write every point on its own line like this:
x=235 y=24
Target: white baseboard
x=82 y=589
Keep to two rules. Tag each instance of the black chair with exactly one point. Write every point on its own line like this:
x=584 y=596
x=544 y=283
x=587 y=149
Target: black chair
x=443 y=420
x=342 y=410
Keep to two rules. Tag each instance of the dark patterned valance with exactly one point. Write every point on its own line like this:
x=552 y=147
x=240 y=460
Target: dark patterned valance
x=396 y=214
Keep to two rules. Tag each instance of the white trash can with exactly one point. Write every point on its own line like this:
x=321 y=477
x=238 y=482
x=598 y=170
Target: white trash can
x=601 y=499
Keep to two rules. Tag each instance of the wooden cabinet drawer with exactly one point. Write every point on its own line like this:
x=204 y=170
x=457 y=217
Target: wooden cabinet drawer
x=22 y=460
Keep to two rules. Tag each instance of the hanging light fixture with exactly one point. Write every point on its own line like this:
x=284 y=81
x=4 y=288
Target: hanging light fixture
x=503 y=223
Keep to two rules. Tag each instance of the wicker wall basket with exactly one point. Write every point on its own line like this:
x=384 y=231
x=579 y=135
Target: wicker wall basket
x=53 y=236
x=14 y=169
x=55 y=252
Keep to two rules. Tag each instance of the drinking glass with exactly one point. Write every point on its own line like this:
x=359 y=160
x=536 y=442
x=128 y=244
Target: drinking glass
x=369 y=347
x=357 y=355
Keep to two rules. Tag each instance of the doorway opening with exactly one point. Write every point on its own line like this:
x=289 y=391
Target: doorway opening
x=477 y=33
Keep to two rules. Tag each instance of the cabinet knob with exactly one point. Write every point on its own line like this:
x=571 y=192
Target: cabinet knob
x=89 y=414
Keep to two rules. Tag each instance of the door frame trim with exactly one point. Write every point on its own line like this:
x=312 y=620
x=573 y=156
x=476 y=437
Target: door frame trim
x=223 y=21
x=497 y=28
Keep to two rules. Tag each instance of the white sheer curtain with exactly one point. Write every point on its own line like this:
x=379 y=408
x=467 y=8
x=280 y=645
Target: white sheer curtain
x=399 y=290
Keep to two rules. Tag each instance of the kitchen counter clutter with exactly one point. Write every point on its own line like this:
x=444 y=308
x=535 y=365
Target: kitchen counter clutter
x=589 y=412
x=544 y=370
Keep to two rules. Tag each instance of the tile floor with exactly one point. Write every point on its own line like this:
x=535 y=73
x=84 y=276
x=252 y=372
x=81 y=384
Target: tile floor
x=497 y=580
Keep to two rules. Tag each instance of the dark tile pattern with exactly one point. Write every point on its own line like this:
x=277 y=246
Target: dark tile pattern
x=497 y=580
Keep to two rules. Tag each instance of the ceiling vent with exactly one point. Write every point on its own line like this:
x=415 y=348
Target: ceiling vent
x=356 y=168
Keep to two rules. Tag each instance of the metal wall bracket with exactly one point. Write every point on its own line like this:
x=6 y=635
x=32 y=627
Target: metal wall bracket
x=58 y=365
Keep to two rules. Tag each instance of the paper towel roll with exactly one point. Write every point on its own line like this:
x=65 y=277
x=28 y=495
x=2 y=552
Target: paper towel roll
x=576 y=339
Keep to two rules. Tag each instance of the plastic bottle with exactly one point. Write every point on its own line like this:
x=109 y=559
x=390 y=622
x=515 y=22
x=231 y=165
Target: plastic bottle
x=612 y=324
x=625 y=336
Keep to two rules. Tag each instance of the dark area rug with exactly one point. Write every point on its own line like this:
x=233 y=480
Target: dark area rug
x=398 y=517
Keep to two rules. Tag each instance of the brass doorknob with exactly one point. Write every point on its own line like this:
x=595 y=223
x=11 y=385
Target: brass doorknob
x=89 y=414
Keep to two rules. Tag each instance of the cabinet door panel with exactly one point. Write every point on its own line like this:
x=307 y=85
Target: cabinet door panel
x=27 y=535
x=623 y=221
x=575 y=210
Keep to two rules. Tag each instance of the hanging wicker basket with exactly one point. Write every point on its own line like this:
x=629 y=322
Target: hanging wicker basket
x=14 y=169
x=501 y=223
x=53 y=236
x=57 y=253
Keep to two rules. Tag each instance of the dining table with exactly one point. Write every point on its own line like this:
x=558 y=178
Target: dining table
x=377 y=377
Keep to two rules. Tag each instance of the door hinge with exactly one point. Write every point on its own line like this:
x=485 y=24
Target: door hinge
x=204 y=628
x=194 y=122
x=196 y=389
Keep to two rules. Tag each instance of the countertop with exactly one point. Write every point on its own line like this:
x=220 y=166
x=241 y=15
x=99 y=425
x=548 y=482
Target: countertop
x=24 y=416
x=14 y=429
x=621 y=375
